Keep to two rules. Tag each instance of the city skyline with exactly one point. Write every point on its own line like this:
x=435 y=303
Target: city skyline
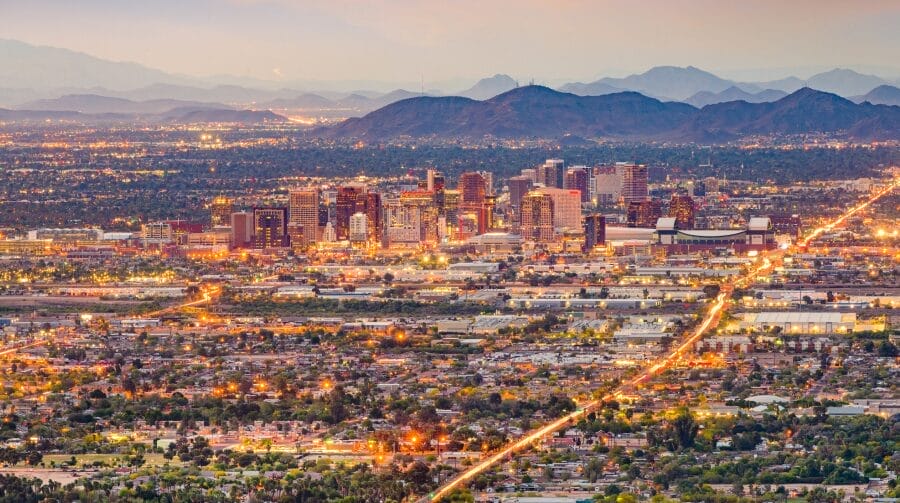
x=285 y=250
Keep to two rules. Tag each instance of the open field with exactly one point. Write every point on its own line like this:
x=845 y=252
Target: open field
x=70 y=304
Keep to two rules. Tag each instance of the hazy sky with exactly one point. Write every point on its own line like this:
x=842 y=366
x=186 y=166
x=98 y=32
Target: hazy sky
x=401 y=40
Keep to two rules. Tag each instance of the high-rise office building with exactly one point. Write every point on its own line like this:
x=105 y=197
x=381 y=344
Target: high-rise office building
x=304 y=216
x=473 y=215
x=350 y=199
x=566 y=207
x=436 y=183
x=594 y=231
x=531 y=174
x=451 y=205
x=643 y=213
x=359 y=229
x=328 y=234
x=270 y=228
x=402 y=224
x=536 y=217
x=634 y=182
x=375 y=215
x=220 y=211
x=434 y=180
x=296 y=236
x=681 y=207
x=241 y=229
x=411 y=219
x=518 y=187
x=551 y=173
x=606 y=185
x=472 y=220
x=576 y=178
x=420 y=208
x=472 y=189
x=488 y=182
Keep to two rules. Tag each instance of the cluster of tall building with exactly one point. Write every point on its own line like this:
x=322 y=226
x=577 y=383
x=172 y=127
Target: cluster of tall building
x=544 y=204
x=646 y=212
x=547 y=202
x=599 y=185
x=427 y=213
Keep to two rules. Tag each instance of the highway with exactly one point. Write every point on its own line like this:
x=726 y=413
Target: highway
x=847 y=214
x=710 y=320
x=16 y=349
x=204 y=299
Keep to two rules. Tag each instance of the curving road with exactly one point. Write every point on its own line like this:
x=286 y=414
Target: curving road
x=710 y=320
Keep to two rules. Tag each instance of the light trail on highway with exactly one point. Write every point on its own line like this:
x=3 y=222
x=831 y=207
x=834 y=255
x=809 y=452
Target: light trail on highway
x=838 y=221
x=20 y=348
x=710 y=320
x=207 y=297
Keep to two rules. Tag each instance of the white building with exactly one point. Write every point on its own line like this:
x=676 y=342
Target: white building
x=358 y=227
x=799 y=322
x=157 y=233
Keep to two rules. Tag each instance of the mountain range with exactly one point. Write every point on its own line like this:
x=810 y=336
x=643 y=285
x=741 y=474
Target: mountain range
x=50 y=82
x=27 y=66
x=29 y=72
x=672 y=83
x=734 y=93
x=541 y=112
x=668 y=82
x=489 y=87
x=881 y=95
x=97 y=104
x=88 y=108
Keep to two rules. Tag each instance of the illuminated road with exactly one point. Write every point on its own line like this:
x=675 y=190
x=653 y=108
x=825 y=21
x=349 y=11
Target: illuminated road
x=838 y=221
x=20 y=348
x=205 y=299
x=710 y=320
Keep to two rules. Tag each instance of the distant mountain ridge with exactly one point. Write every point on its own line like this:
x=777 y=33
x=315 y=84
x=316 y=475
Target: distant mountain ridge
x=28 y=66
x=670 y=82
x=30 y=74
x=233 y=116
x=734 y=93
x=530 y=111
x=595 y=88
x=804 y=111
x=489 y=87
x=184 y=114
x=881 y=95
x=96 y=104
x=540 y=112
x=682 y=84
x=844 y=82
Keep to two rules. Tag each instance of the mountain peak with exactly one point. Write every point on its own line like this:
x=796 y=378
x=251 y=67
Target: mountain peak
x=882 y=95
x=840 y=71
x=844 y=82
x=24 y=65
x=531 y=89
x=670 y=82
x=810 y=94
x=489 y=87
